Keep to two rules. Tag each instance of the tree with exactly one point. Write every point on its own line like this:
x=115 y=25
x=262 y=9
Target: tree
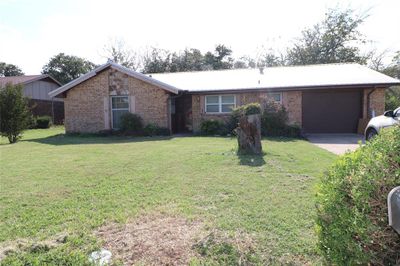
x=7 y=70
x=156 y=60
x=220 y=59
x=332 y=41
x=245 y=62
x=14 y=112
x=117 y=51
x=392 y=96
x=189 y=60
x=66 y=68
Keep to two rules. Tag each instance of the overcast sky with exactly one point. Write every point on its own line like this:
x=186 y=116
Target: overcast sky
x=31 y=31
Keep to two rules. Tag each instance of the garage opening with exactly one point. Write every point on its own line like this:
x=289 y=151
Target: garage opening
x=331 y=111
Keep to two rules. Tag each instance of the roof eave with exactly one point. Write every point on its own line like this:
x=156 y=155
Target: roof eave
x=295 y=88
x=60 y=92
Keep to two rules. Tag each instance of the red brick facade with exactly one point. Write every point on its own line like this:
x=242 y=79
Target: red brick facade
x=87 y=105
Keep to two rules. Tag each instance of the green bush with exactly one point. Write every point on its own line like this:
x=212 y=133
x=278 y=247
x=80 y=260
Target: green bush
x=352 y=224
x=213 y=127
x=248 y=109
x=43 y=121
x=163 y=131
x=131 y=123
x=273 y=120
x=154 y=130
x=14 y=112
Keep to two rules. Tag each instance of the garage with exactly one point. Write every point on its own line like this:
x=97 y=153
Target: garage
x=331 y=111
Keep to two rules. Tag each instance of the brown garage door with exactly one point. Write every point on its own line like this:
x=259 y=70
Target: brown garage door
x=331 y=111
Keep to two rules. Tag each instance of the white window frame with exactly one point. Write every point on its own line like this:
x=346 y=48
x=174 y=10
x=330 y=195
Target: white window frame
x=219 y=103
x=270 y=96
x=118 y=109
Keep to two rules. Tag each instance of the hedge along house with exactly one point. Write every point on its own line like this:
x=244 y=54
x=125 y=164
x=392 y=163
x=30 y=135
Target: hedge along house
x=36 y=88
x=332 y=98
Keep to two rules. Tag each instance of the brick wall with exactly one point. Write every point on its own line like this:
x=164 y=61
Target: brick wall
x=290 y=100
x=376 y=102
x=87 y=107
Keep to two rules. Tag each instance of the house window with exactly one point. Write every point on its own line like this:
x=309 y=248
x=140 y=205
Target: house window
x=119 y=106
x=276 y=97
x=220 y=103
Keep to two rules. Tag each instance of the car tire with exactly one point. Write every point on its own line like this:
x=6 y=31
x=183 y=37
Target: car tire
x=371 y=133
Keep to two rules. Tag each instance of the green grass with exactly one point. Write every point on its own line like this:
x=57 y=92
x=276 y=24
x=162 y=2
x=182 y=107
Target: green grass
x=53 y=183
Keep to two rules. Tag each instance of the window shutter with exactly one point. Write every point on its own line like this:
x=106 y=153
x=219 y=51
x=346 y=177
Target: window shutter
x=132 y=105
x=106 y=113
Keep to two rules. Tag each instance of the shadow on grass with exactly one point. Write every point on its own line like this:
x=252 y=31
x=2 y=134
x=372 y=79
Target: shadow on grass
x=64 y=139
x=251 y=159
x=79 y=139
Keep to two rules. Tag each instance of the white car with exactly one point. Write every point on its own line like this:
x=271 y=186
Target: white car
x=388 y=119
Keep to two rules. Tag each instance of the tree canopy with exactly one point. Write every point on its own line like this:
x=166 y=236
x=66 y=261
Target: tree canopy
x=65 y=68
x=7 y=70
x=331 y=41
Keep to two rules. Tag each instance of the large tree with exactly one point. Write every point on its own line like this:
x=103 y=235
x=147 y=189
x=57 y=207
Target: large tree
x=65 y=68
x=219 y=59
x=156 y=60
x=334 y=40
x=188 y=60
x=7 y=70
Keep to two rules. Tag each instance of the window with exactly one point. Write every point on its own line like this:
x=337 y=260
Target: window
x=277 y=97
x=220 y=103
x=119 y=106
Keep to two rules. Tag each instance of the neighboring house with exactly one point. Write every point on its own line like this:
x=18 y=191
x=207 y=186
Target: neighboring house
x=37 y=88
x=332 y=98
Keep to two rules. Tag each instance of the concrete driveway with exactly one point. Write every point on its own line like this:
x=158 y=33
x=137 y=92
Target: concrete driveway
x=336 y=143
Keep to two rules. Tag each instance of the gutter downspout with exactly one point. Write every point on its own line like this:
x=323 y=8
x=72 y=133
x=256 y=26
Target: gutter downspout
x=368 y=103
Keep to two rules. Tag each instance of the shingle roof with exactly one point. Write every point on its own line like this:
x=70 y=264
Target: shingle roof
x=277 y=78
x=24 y=79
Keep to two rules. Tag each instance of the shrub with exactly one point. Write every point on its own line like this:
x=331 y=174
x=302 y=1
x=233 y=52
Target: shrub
x=352 y=224
x=248 y=109
x=150 y=130
x=43 y=121
x=292 y=131
x=131 y=123
x=154 y=130
x=273 y=120
x=163 y=131
x=14 y=112
x=213 y=127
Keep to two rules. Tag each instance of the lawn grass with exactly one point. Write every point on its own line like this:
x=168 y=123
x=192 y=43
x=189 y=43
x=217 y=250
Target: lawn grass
x=53 y=183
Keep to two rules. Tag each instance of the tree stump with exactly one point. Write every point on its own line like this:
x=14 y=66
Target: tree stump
x=249 y=134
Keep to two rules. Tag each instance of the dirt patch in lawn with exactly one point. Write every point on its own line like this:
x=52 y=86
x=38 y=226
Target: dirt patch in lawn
x=26 y=245
x=153 y=240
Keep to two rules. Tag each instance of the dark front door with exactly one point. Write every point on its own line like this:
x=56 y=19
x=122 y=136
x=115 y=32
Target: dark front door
x=331 y=111
x=181 y=118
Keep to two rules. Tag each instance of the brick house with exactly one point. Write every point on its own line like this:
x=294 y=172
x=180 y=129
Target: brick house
x=36 y=88
x=332 y=98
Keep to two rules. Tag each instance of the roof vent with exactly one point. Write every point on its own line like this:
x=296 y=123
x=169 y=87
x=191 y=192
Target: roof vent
x=261 y=70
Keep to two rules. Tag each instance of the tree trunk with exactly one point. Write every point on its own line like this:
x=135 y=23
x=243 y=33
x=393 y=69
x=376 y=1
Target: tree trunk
x=249 y=134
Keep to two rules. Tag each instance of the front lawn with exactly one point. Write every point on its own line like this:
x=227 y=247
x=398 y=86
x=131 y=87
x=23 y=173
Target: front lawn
x=52 y=183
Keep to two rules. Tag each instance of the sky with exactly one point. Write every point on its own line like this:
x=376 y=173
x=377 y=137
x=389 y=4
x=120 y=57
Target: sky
x=32 y=31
